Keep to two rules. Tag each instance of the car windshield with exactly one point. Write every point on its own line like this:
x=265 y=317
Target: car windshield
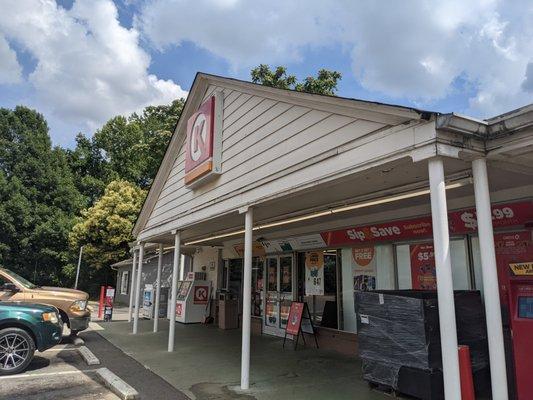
x=24 y=282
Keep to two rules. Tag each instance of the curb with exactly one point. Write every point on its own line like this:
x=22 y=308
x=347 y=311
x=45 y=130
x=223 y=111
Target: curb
x=117 y=385
x=88 y=356
x=78 y=341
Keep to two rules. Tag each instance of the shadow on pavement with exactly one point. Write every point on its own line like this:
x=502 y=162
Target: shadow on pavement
x=148 y=384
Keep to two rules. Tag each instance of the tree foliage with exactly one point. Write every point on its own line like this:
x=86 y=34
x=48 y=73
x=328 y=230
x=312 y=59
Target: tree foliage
x=38 y=198
x=277 y=78
x=325 y=82
x=53 y=200
x=128 y=148
x=104 y=230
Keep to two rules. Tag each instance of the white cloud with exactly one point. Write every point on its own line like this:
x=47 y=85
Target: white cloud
x=527 y=84
x=10 y=69
x=88 y=66
x=414 y=49
x=245 y=33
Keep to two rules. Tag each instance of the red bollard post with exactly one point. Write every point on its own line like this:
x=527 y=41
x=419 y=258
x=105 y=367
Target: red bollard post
x=465 y=370
x=101 y=302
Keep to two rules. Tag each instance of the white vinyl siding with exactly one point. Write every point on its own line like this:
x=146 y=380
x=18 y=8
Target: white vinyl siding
x=268 y=146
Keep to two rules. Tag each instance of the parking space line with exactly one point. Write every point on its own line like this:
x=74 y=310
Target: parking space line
x=53 y=349
x=19 y=376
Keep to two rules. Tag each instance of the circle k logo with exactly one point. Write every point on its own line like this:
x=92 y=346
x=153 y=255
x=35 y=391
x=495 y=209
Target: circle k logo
x=199 y=148
x=198 y=137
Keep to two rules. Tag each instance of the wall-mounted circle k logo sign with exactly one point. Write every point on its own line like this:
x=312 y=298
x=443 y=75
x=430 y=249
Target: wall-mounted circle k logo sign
x=198 y=137
x=200 y=140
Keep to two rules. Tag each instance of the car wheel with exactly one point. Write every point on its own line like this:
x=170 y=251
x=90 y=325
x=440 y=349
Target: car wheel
x=16 y=350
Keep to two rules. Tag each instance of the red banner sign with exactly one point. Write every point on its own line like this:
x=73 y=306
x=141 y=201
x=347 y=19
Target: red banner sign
x=423 y=272
x=295 y=318
x=460 y=222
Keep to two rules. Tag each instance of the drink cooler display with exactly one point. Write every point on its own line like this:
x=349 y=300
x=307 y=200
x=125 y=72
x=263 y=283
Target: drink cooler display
x=399 y=340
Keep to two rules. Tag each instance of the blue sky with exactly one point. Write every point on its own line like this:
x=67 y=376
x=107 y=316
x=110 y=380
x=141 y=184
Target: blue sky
x=80 y=62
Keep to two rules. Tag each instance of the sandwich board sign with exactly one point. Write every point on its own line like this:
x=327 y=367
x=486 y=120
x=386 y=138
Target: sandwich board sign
x=299 y=321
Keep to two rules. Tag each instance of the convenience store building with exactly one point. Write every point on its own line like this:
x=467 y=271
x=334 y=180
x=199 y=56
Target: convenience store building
x=281 y=196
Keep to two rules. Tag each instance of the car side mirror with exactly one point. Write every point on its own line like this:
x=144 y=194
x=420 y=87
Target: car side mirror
x=9 y=287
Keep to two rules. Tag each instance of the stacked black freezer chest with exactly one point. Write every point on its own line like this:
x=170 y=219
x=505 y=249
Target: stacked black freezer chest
x=399 y=339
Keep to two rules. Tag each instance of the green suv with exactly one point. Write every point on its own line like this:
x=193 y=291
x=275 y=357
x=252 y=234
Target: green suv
x=25 y=328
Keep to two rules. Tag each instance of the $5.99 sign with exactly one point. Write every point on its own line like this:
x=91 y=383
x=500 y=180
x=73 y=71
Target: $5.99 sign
x=423 y=272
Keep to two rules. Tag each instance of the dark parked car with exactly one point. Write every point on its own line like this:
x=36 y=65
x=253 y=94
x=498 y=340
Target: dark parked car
x=25 y=328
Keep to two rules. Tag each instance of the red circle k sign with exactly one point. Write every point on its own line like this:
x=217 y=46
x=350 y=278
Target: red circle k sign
x=200 y=141
x=200 y=294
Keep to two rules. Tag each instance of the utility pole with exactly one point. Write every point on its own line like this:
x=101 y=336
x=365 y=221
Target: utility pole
x=78 y=270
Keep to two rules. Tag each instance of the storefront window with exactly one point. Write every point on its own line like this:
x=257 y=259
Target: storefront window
x=476 y=261
x=257 y=286
x=272 y=266
x=416 y=265
x=319 y=275
x=235 y=277
x=364 y=268
x=286 y=274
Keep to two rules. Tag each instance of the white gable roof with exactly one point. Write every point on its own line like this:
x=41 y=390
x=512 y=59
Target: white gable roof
x=273 y=132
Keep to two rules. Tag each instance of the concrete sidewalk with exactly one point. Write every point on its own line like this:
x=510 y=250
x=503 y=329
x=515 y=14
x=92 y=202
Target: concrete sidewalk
x=120 y=313
x=206 y=364
x=148 y=384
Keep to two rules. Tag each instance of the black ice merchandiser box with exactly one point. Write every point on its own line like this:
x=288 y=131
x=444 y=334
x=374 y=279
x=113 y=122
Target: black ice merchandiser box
x=399 y=340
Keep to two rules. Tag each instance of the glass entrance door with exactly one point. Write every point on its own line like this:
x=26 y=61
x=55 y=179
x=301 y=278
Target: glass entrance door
x=279 y=293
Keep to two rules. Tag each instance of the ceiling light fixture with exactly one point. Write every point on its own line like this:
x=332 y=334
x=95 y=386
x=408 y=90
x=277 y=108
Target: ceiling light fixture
x=336 y=210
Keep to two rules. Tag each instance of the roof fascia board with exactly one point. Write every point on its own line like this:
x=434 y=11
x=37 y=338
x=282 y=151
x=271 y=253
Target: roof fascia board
x=338 y=105
x=512 y=123
x=461 y=124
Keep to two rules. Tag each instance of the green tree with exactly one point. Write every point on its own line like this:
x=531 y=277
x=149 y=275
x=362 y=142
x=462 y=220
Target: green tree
x=278 y=78
x=157 y=124
x=105 y=228
x=129 y=148
x=325 y=82
x=38 y=198
x=88 y=165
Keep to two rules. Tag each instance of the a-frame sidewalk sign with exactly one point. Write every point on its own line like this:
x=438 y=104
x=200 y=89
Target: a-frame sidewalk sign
x=297 y=313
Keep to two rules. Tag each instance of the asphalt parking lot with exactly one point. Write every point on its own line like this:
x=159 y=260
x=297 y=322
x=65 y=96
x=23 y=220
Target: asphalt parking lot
x=58 y=373
x=61 y=373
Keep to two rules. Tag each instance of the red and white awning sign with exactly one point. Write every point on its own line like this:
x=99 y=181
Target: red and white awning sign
x=460 y=222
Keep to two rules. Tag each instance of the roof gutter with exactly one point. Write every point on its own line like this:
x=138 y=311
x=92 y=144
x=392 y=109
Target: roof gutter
x=503 y=125
x=508 y=124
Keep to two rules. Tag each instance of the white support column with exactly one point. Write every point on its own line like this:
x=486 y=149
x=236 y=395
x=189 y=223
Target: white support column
x=132 y=283
x=247 y=300
x=138 y=290
x=158 y=288
x=443 y=266
x=491 y=292
x=174 y=290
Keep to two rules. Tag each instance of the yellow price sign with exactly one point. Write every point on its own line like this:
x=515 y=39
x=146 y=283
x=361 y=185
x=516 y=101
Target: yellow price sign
x=525 y=268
